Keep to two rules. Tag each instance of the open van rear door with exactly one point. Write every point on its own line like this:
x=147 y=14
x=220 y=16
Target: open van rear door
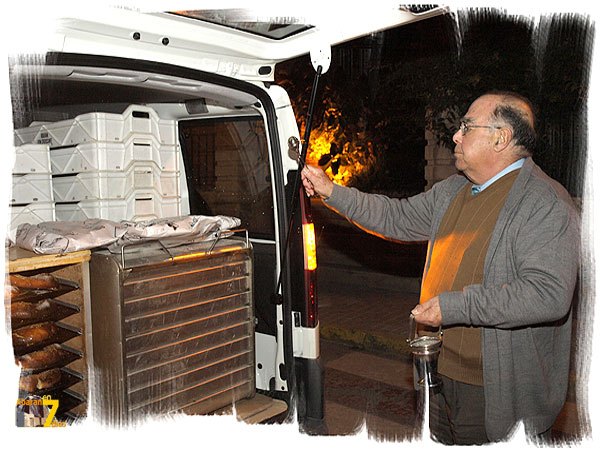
x=240 y=43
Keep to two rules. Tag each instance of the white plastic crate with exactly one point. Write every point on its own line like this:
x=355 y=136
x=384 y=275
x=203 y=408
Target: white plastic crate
x=115 y=185
x=138 y=207
x=28 y=134
x=32 y=213
x=136 y=120
x=105 y=156
x=31 y=188
x=31 y=158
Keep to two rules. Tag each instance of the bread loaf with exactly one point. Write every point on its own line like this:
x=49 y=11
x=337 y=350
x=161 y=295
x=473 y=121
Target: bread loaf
x=24 y=310
x=47 y=357
x=44 y=380
x=44 y=281
x=34 y=334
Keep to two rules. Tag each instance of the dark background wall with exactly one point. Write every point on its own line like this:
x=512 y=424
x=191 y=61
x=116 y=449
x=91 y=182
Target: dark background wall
x=400 y=81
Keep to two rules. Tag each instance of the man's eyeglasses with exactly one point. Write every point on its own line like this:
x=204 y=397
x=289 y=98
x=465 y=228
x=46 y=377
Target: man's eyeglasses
x=465 y=127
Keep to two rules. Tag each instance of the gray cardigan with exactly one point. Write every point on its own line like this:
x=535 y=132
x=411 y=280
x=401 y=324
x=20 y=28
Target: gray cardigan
x=524 y=303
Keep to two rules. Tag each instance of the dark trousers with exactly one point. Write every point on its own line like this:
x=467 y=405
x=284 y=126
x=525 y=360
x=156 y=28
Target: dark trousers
x=457 y=414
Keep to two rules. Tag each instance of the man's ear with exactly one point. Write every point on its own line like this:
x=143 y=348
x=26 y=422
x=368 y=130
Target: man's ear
x=503 y=139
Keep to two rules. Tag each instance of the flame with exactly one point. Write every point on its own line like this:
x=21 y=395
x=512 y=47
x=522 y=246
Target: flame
x=343 y=152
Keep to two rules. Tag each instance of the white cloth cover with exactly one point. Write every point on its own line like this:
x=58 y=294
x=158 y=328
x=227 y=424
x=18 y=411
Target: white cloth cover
x=65 y=237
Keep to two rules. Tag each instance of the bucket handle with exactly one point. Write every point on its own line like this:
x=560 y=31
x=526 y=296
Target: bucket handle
x=412 y=329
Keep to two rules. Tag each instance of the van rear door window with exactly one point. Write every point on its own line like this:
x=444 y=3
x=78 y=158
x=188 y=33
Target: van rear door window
x=227 y=171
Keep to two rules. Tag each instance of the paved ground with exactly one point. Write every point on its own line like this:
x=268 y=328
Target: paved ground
x=366 y=309
x=370 y=390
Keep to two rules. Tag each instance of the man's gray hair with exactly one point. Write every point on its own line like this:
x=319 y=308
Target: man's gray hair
x=522 y=125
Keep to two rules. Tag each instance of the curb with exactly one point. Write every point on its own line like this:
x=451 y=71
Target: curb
x=364 y=340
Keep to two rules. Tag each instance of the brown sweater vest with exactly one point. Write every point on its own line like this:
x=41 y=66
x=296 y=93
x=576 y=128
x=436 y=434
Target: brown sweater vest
x=457 y=261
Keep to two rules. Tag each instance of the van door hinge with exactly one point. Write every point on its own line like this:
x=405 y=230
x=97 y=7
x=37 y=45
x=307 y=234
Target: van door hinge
x=305 y=340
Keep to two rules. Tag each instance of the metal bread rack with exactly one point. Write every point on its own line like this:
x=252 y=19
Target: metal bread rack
x=216 y=237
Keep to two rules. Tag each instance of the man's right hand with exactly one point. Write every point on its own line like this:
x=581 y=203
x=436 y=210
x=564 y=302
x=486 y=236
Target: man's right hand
x=316 y=182
x=428 y=313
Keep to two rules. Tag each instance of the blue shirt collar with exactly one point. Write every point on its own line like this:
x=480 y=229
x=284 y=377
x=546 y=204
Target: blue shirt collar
x=477 y=188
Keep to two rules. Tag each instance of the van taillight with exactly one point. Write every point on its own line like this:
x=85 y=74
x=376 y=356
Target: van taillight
x=310 y=274
x=311 y=298
x=310 y=246
x=309 y=241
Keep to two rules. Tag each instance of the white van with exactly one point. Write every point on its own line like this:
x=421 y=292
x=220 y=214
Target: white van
x=204 y=80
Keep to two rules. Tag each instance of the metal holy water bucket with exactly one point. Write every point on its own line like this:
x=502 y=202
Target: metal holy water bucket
x=425 y=350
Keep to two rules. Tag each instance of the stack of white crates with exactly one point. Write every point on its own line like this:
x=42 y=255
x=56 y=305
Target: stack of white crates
x=112 y=166
x=32 y=199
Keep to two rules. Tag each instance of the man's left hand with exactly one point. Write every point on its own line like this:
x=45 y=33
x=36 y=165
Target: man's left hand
x=428 y=313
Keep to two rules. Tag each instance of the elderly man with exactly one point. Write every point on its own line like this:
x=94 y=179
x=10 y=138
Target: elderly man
x=499 y=278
